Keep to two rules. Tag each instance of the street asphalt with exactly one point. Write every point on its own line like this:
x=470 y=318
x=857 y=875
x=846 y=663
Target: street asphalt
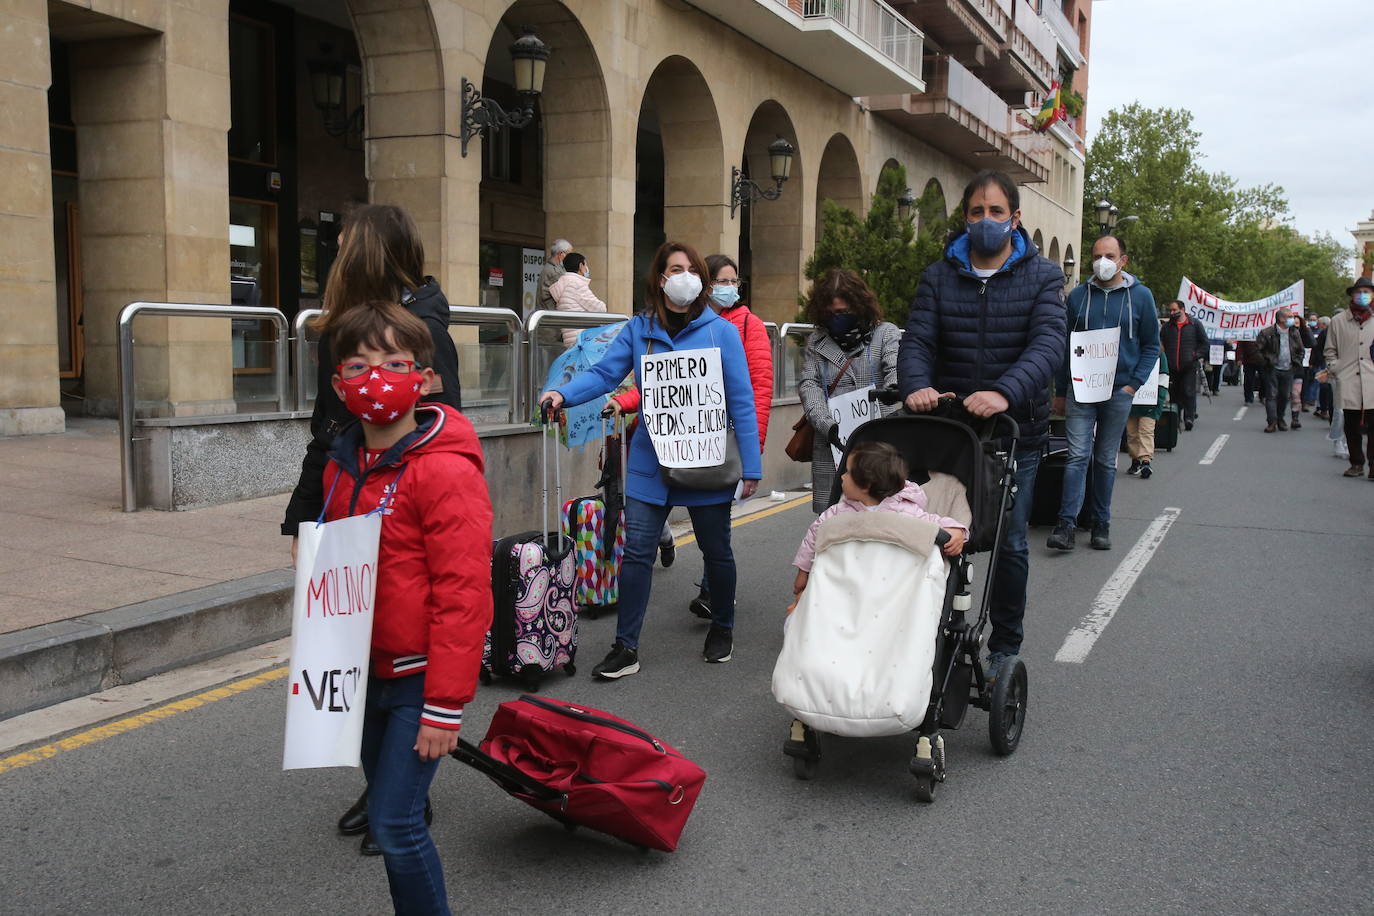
x=1210 y=755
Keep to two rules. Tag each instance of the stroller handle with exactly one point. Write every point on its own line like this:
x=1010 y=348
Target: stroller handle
x=951 y=405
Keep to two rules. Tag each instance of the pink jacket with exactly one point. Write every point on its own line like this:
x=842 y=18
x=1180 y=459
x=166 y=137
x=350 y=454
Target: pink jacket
x=910 y=501
x=573 y=293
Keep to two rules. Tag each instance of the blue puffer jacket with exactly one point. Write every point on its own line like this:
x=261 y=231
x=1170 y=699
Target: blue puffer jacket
x=1003 y=334
x=642 y=479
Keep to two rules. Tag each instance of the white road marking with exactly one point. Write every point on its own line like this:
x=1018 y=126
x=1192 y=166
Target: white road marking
x=1081 y=638
x=1240 y=414
x=1215 y=450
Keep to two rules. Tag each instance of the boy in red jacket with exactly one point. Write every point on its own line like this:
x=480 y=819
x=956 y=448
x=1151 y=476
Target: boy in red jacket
x=422 y=468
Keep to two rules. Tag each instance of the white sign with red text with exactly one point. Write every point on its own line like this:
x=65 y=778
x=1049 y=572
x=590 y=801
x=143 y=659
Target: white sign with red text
x=1223 y=320
x=331 y=639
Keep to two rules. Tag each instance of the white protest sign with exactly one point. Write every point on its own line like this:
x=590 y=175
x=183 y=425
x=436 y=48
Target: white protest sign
x=1148 y=393
x=1092 y=363
x=1216 y=354
x=1307 y=356
x=683 y=406
x=1223 y=320
x=850 y=410
x=331 y=637
x=1230 y=356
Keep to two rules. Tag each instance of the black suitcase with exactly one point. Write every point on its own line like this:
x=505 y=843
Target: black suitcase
x=1167 y=427
x=1049 y=486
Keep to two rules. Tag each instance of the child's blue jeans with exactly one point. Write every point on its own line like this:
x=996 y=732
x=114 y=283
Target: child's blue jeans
x=397 y=785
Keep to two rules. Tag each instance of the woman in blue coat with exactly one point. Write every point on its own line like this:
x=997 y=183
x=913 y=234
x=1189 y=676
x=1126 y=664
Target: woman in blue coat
x=678 y=317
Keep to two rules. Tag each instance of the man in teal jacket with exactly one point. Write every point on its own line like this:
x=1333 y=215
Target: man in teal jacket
x=1110 y=298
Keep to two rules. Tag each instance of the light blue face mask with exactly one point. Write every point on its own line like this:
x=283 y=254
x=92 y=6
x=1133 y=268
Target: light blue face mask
x=724 y=295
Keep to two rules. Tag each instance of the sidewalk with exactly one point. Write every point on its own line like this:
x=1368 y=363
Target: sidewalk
x=92 y=597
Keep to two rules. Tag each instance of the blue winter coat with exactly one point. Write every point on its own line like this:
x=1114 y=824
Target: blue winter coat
x=1131 y=306
x=1003 y=334
x=642 y=479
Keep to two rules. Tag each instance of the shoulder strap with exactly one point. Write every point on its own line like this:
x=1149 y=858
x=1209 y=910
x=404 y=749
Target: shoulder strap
x=835 y=384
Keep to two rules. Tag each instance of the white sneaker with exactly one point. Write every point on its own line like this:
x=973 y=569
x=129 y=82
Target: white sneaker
x=1342 y=451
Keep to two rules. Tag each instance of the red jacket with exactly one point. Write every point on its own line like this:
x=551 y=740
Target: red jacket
x=758 y=352
x=433 y=604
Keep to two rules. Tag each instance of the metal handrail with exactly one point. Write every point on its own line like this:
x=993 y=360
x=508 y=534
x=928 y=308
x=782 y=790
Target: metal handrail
x=774 y=346
x=125 y=336
x=299 y=352
x=477 y=316
x=799 y=329
x=559 y=320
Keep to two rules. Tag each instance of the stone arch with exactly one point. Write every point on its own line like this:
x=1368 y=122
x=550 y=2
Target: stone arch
x=838 y=178
x=1054 y=250
x=934 y=205
x=680 y=164
x=1038 y=238
x=770 y=244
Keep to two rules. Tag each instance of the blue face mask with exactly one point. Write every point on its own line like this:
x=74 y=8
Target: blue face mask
x=1290 y=322
x=724 y=295
x=987 y=236
x=1361 y=300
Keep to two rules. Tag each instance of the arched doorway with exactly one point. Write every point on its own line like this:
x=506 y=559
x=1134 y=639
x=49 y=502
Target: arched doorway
x=933 y=209
x=1054 y=250
x=770 y=231
x=550 y=179
x=679 y=166
x=838 y=179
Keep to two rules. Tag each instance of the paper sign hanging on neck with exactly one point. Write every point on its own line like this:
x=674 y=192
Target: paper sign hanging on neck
x=1216 y=354
x=1092 y=363
x=331 y=640
x=850 y=410
x=1148 y=395
x=683 y=406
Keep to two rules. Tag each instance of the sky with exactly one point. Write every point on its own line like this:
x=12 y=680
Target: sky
x=1282 y=91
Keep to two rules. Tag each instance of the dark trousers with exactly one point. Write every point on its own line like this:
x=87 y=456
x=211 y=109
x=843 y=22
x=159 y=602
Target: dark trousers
x=1357 y=423
x=1278 y=392
x=1183 y=390
x=643 y=524
x=1007 y=603
x=1324 y=401
x=1254 y=384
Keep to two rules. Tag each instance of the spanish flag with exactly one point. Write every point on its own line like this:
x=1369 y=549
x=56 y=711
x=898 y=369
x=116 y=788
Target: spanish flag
x=1052 y=110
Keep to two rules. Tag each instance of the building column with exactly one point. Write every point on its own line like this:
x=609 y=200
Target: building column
x=152 y=114
x=29 y=393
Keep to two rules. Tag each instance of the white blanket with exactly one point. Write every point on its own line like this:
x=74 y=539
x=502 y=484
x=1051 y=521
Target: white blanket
x=857 y=656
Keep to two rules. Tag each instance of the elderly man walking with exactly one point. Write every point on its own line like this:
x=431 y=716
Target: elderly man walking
x=1280 y=349
x=1350 y=362
x=552 y=273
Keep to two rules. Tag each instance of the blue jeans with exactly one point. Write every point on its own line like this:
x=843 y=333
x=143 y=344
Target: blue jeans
x=397 y=785
x=1007 y=599
x=643 y=522
x=1093 y=430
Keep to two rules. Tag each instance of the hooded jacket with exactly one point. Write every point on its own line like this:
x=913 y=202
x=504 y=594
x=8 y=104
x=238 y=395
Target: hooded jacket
x=643 y=480
x=330 y=415
x=910 y=500
x=433 y=601
x=1004 y=333
x=1130 y=306
x=758 y=351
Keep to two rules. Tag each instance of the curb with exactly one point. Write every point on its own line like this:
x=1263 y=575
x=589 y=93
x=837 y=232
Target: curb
x=66 y=659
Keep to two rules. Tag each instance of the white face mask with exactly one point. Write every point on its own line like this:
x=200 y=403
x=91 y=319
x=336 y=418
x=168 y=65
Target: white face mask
x=1105 y=269
x=683 y=288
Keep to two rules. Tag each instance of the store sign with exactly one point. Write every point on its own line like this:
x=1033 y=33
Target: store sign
x=496 y=277
x=531 y=264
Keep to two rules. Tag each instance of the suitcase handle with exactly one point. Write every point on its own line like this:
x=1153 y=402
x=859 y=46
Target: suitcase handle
x=508 y=777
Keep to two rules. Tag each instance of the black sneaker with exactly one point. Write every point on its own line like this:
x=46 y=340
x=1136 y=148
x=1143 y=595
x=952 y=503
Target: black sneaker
x=1134 y=469
x=1187 y=426
x=1061 y=538
x=1101 y=539
x=619 y=662
x=667 y=548
x=720 y=642
x=1145 y=470
x=701 y=605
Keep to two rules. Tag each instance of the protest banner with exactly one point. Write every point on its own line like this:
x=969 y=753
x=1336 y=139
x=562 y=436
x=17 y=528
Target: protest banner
x=1092 y=363
x=683 y=406
x=850 y=410
x=1223 y=320
x=331 y=638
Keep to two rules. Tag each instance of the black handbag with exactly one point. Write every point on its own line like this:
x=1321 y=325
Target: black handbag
x=721 y=476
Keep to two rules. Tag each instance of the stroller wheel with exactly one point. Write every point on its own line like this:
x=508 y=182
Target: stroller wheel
x=805 y=767
x=925 y=789
x=1007 y=712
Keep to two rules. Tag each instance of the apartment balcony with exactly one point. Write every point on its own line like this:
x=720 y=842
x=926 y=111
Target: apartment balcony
x=973 y=31
x=1027 y=63
x=959 y=115
x=861 y=47
x=1066 y=134
x=1064 y=34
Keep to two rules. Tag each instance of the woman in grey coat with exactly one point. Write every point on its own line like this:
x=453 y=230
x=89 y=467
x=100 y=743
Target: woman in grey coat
x=852 y=348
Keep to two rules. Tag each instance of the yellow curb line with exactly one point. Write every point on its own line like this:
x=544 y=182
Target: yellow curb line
x=119 y=726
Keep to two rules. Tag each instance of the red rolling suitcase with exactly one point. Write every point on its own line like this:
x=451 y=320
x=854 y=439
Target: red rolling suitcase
x=585 y=767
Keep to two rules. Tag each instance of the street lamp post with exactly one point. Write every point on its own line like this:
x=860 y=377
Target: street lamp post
x=904 y=205
x=1069 y=265
x=743 y=189
x=480 y=114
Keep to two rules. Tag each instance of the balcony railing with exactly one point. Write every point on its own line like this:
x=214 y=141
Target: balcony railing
x=876 y=24
x=1034 y=43
x=1063 y=32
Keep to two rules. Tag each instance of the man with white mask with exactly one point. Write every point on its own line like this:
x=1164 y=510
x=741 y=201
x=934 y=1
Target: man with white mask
x=1112 y=350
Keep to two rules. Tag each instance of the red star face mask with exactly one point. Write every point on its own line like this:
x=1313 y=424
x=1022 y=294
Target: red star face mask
x=380 y=394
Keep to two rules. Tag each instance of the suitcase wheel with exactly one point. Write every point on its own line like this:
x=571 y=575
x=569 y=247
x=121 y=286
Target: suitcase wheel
x=531 y=676
x=485 y=677
x=570 y=669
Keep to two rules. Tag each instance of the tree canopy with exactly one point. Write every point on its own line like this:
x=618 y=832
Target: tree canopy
x=1233 y=241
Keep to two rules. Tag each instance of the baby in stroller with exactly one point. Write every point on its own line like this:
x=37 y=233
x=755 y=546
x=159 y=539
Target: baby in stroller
x=875 y=481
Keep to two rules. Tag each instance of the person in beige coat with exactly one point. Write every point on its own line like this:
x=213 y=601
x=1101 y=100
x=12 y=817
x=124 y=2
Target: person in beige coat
x=572 y=292
x=1350 y=361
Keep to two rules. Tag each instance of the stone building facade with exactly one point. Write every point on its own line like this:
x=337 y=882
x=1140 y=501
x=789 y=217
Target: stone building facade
x=206 y=151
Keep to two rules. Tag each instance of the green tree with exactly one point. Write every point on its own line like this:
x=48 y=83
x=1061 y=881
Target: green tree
x=1231 y=240
x=881 y=247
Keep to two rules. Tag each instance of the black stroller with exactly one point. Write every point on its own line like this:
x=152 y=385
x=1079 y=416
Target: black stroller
x=980 y=455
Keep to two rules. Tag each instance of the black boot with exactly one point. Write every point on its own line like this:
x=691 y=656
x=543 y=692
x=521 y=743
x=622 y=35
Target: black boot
x=354 y=820
x=701 y=605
